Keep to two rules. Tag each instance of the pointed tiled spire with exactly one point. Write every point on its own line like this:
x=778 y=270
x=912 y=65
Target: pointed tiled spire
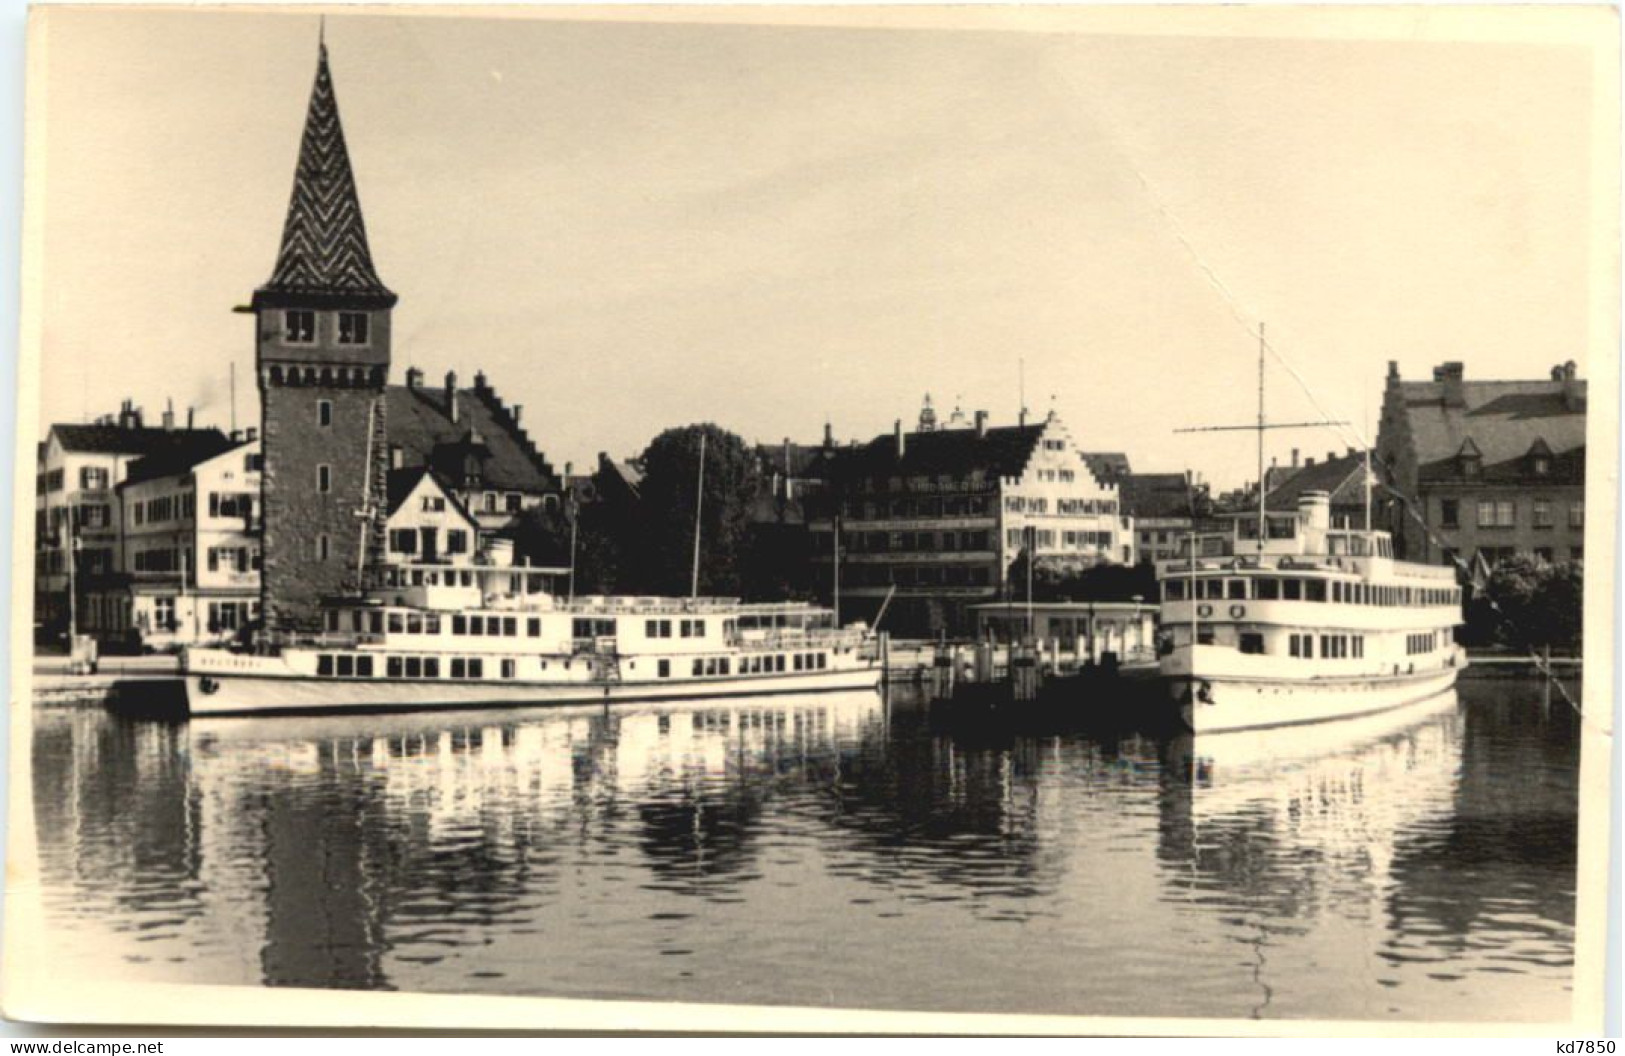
x=324 y=255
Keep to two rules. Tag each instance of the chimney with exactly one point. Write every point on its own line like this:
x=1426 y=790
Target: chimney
x=236 y=436
x=1294 y=458
x=1331 y=456
x=397 y=457
x=451 y=395
x=981 y=423
x=1573 y=388
x=829 y=435
x=569 y=470
x=414 y=378
x=169 y=416
x=902 y=443
x=1449 y=376
x=479 y=381
x=1021 y=419
x=253 y=434
x=189 y=412
x=1393 y=370
x=518 y=412
x=1308 y=462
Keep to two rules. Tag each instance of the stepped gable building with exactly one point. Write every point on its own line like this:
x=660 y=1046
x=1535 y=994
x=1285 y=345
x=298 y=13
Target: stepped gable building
x=474 y=442
x=322 y=343
x=1493 y=468
x=941 y=514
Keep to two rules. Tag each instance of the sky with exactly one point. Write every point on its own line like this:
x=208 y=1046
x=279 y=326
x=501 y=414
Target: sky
x=633 y=226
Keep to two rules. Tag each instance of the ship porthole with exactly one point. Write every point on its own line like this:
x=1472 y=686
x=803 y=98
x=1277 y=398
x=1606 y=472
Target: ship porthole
x=208 y=685
x=1204 y=611
x=1237 y=611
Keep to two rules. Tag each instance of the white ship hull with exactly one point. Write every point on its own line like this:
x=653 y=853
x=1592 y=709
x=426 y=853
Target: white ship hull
x=1226 y=691
x=266 y=686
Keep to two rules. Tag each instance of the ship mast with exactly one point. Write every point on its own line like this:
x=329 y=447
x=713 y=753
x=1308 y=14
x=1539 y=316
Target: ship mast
x=1259 y=427
x=1262 y=517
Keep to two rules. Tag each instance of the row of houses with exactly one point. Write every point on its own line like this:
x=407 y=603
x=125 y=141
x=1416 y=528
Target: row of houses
x=161 y=535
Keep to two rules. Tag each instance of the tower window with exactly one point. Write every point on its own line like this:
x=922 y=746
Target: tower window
x=323 y=547
x=324 y=412
x=324 y=478
x=353 y=328
x=299 y=326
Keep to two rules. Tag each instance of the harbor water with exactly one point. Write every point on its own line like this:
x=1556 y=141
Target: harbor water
x=828 y=851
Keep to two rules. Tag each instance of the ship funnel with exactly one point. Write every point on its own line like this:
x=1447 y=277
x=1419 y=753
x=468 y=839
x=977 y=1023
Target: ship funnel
x=1315 y=515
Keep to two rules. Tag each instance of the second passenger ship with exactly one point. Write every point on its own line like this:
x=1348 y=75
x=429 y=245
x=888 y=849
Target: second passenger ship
x=1310 y=623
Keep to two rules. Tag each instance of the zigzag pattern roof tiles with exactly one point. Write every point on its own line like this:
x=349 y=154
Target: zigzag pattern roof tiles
x=324 y=239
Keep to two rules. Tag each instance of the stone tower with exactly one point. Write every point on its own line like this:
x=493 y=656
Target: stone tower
x=321 y=327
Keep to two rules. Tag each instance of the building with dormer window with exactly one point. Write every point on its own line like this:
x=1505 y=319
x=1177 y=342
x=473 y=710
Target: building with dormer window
x=1492 y=468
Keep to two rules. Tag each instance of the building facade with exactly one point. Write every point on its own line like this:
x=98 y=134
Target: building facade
x=77 y=512
x=936 y=518
x=1483 y=470
x=191 y=549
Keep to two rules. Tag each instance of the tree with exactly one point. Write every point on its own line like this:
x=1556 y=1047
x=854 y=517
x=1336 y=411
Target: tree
x=543 y=537
x=1528 y=604
x=1078 y=579
x=663 y=558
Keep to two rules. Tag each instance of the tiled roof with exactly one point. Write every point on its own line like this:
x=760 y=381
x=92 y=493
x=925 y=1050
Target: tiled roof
x=122 y=440
x=1338 y=477
x=183 y=450
x=1503 y=419
x=1003 y=451
x=1109 y=467
x=1155 y=495
x=484 y=436
x=324 y=250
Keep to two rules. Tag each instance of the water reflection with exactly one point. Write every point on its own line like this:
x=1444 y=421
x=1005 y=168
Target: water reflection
x=828 y=850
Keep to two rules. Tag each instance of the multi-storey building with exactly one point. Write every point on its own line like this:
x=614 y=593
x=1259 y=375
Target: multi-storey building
x=475 y=443
x=938 y=516
x=1163 y=509
x=190 y=548
x=1483 y=470
x=76 y=507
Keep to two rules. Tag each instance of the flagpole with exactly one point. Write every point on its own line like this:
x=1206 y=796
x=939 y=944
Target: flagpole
x=699 y=502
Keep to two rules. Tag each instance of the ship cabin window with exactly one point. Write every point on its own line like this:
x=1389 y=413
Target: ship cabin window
x=663 y=669
x=1292 y=590
x=691 y=628
x=657 y=629
x=1252 y=642
x=822 y=660
x=1173 y=590
x=346 y=666
x=1236 y=590
x=330 y=620
x=798 y=659
x=363 y=666
x=1302 y=645
x=508 y=669
x=458 y=667
x=1212 y=588
x=414 y=667
x=778 y=662
x=1269 y=588
x=510 y=627
x=587 y=627
x=1315 y=589
x=324 y=665
x=476 y=667
x=699 y=667
x=533 y=627
x=459 y=624
x=476 y=626
x=393 y=667
x=1204 y=636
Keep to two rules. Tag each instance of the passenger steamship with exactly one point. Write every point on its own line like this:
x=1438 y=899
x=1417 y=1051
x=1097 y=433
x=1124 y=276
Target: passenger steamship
x=474 y=636
x=1312 y=623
